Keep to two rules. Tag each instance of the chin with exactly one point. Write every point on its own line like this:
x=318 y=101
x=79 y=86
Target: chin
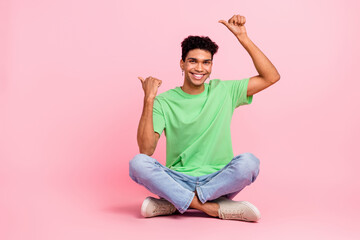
x=197 y=83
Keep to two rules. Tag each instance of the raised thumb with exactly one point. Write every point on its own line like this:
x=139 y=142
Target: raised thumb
x=224 y=22
x=141 y=79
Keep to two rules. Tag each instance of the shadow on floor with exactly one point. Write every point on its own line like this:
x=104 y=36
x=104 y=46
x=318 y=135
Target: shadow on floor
x=194 y=213
x=134 y=211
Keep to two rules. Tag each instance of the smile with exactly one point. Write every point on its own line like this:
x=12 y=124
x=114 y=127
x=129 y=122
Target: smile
x=198 y=76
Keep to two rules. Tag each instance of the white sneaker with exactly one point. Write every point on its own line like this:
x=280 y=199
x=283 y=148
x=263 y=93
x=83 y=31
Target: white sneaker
x=152 y=207
x=238 y=210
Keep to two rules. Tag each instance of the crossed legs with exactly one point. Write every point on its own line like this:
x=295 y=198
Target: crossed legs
x=185 y=192
x=210 y=208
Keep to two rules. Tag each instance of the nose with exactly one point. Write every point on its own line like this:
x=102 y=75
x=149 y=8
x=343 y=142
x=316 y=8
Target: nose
x=199 y=67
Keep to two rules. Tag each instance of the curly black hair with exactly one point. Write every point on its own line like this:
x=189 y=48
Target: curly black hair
x=201 y=42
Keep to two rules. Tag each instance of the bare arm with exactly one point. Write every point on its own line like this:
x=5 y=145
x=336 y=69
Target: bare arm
x=146 y=137
x=268 y=74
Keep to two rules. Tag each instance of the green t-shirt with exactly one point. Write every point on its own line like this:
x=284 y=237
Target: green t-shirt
x=197 y=127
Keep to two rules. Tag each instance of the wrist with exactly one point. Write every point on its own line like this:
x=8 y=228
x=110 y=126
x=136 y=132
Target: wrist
x=149 y=99
x=243 y=37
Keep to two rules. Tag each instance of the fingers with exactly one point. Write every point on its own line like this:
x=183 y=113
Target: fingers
x=159 y=82
x=235 y=20
x=154 y=80
x=238 y=18
x=150 y=79
x=242 y=20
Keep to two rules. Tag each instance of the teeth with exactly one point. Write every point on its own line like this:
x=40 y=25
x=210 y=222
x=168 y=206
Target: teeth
x=198 y=76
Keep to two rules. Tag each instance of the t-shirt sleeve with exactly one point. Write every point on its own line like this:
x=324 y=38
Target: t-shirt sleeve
x=158 y=117
x=238 y=92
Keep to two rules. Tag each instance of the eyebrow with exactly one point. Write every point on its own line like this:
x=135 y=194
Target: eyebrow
x=197 y=59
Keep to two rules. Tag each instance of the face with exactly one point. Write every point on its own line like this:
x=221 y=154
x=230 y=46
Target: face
x=197 y=67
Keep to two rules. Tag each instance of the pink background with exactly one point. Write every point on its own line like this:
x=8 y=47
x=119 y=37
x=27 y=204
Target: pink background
x=70 y=103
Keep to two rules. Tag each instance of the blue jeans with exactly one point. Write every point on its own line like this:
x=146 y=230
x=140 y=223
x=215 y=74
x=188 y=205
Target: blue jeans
x=179 y=188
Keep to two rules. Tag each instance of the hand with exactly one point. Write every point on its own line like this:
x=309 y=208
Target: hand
x=150 y=86
x=236 y=25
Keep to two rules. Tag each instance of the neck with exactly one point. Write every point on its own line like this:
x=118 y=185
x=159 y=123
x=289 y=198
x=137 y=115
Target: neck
x=193 y=90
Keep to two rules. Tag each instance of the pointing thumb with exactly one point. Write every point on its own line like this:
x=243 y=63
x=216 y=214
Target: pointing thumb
x=223 y=22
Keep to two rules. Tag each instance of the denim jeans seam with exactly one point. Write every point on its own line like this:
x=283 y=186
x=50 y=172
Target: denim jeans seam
x=183 y=209
x=200 y=194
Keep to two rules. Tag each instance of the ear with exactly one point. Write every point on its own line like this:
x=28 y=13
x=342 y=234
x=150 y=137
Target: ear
x=182 y=64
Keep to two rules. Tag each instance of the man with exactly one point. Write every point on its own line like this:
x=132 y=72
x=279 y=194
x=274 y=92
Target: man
x=201 y=171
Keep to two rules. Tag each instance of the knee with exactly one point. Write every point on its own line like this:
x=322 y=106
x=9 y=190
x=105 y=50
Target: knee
x=252 y=161
x=249 y=164
x=138 y=164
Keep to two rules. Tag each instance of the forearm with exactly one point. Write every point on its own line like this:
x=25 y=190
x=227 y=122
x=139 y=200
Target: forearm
x=145 y=133
x=262 y=64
